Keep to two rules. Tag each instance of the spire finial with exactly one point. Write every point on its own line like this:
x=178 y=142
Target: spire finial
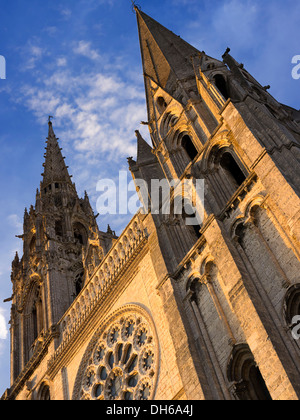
x=51 y=132
x=135 y=6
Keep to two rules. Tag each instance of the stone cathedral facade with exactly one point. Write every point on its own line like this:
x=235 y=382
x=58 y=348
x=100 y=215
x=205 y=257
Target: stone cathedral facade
x=167 y=310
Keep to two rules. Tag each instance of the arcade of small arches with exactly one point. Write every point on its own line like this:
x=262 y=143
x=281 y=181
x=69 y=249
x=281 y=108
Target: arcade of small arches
x=243 y=374
x=88 y=294
x=222 y=165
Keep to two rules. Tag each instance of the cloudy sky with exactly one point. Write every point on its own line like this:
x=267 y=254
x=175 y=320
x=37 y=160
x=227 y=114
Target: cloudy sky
x=79 y=61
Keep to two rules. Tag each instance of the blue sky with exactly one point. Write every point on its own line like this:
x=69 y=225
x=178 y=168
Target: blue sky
x=79 y=61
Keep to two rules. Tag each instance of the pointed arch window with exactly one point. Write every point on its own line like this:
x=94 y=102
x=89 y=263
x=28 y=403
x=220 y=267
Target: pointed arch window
x=226 y=174
x=221 y=84
x=189 y=147
x=37 y=315
x=45 y=393
x=80 y=233
x=229 y=165
x=79 y=281
x=35 y=323
x=248 y=383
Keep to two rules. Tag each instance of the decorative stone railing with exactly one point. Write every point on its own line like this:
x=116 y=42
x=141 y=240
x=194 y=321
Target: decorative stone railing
x=104 y=277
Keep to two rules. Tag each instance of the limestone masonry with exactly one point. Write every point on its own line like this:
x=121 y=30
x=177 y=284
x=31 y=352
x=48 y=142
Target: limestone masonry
x=168 y=310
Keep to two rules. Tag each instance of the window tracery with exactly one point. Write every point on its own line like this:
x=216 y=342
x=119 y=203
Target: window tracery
x=123 y=362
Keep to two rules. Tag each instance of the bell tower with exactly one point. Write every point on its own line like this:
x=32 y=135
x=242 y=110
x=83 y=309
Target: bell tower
x=61 y=243
x=211 y=120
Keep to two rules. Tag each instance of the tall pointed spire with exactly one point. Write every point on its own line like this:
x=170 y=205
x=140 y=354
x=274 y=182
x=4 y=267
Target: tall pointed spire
x=55 y=167
x=166 y=57
x=144 y=153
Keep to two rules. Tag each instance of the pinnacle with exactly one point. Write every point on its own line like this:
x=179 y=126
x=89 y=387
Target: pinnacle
x=55 y=169
x=163 y=52
x=144 y=150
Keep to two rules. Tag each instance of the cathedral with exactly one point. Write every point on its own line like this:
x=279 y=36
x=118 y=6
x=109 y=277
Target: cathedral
x=170 y=311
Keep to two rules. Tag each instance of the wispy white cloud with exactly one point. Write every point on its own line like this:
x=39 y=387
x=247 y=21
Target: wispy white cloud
x=51 y=30
x=32 y=53
x=15 y=222
x=61 y=62
x=3 y=325
x=84 y=48
x=96 y=111
x=65 y=12
x=262 y=36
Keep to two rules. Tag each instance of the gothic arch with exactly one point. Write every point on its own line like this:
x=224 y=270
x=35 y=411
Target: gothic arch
x=168 y=121
x=200 y=271
x=80 y=233
x=268 y=255
x=242 y=371
x=206 y=265
x=173 y=123
x=108 y=349
x=193 y=278
x=246 y=216
x=182 y=212
x=220 y=81
x=217 y=154
x=44 y=393
x=187 y=143
x=33 y=315
x=257 y=201
x=291 y=304
x=223 y=139
x=224 y=169
x=174 y=139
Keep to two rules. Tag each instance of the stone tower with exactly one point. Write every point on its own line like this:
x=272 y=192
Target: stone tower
x=171 y=310
x=61 y=244
x=211 y=120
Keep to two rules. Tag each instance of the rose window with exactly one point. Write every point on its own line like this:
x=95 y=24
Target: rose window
x=122 y=363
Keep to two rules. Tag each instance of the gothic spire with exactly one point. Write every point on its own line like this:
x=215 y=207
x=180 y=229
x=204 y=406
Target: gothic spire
x=144 y=153
x=55 y=169
x=165 y=56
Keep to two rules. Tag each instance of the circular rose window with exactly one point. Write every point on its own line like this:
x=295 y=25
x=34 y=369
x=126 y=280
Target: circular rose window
x=122 y=362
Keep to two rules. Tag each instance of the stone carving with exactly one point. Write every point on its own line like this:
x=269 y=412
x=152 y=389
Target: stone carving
x=121 y=362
